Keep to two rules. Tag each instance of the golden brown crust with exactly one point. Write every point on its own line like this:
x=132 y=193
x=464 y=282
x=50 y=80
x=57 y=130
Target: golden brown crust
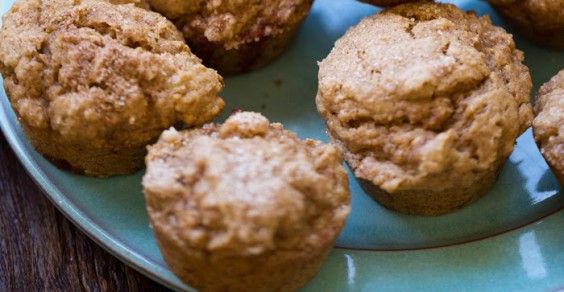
x=244 y=206
x=100 y=78
x=244 y=30
x=424 y=97
x=539 y=20
x=548 y=125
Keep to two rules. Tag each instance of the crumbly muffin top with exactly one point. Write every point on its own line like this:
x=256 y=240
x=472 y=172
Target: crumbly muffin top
x=233 y=22
x=139 y=3
x=548 y=124
x=548 y=14
x=102 y=75
x=245 y=188
x=424 y=96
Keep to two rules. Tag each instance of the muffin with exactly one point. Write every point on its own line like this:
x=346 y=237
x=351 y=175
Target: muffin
x=244 y=206
x=539 y=20
x=426 y=101
x=93 y=83
x=548 y=125
x=234 y=36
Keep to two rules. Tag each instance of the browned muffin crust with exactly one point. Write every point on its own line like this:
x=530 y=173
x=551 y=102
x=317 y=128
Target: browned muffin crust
x=425 y=98
x=93 y=83
x=539 y=20
x=244 y=206
x=548 y=125
x=250 y=33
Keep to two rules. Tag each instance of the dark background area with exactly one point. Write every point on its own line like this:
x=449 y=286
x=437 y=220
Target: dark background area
x=41 y=250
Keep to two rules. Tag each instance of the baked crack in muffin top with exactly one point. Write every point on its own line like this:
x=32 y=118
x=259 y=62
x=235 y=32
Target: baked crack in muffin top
x=424 y=96
x=232 y=22
x=102 y=75
x=245 y=188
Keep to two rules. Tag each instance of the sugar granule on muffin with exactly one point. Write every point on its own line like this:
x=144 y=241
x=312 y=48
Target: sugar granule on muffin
x=548 y=125
x=246 y=205
x=234 y=36
x=426 y=102
x=93 y=83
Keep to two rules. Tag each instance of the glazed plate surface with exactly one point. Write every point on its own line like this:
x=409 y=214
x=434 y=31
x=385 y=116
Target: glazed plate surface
x=511 y=240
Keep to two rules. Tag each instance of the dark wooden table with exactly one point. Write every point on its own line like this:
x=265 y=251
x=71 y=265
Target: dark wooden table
x=42 y=251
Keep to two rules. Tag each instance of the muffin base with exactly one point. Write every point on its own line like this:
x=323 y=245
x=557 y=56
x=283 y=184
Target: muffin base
x=430 y=202
x=246 y=57
x=275 y=271
x=558 y=174
x=97 y=162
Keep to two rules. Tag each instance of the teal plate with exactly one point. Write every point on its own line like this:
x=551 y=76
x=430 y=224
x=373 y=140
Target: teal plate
x=512 y=239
